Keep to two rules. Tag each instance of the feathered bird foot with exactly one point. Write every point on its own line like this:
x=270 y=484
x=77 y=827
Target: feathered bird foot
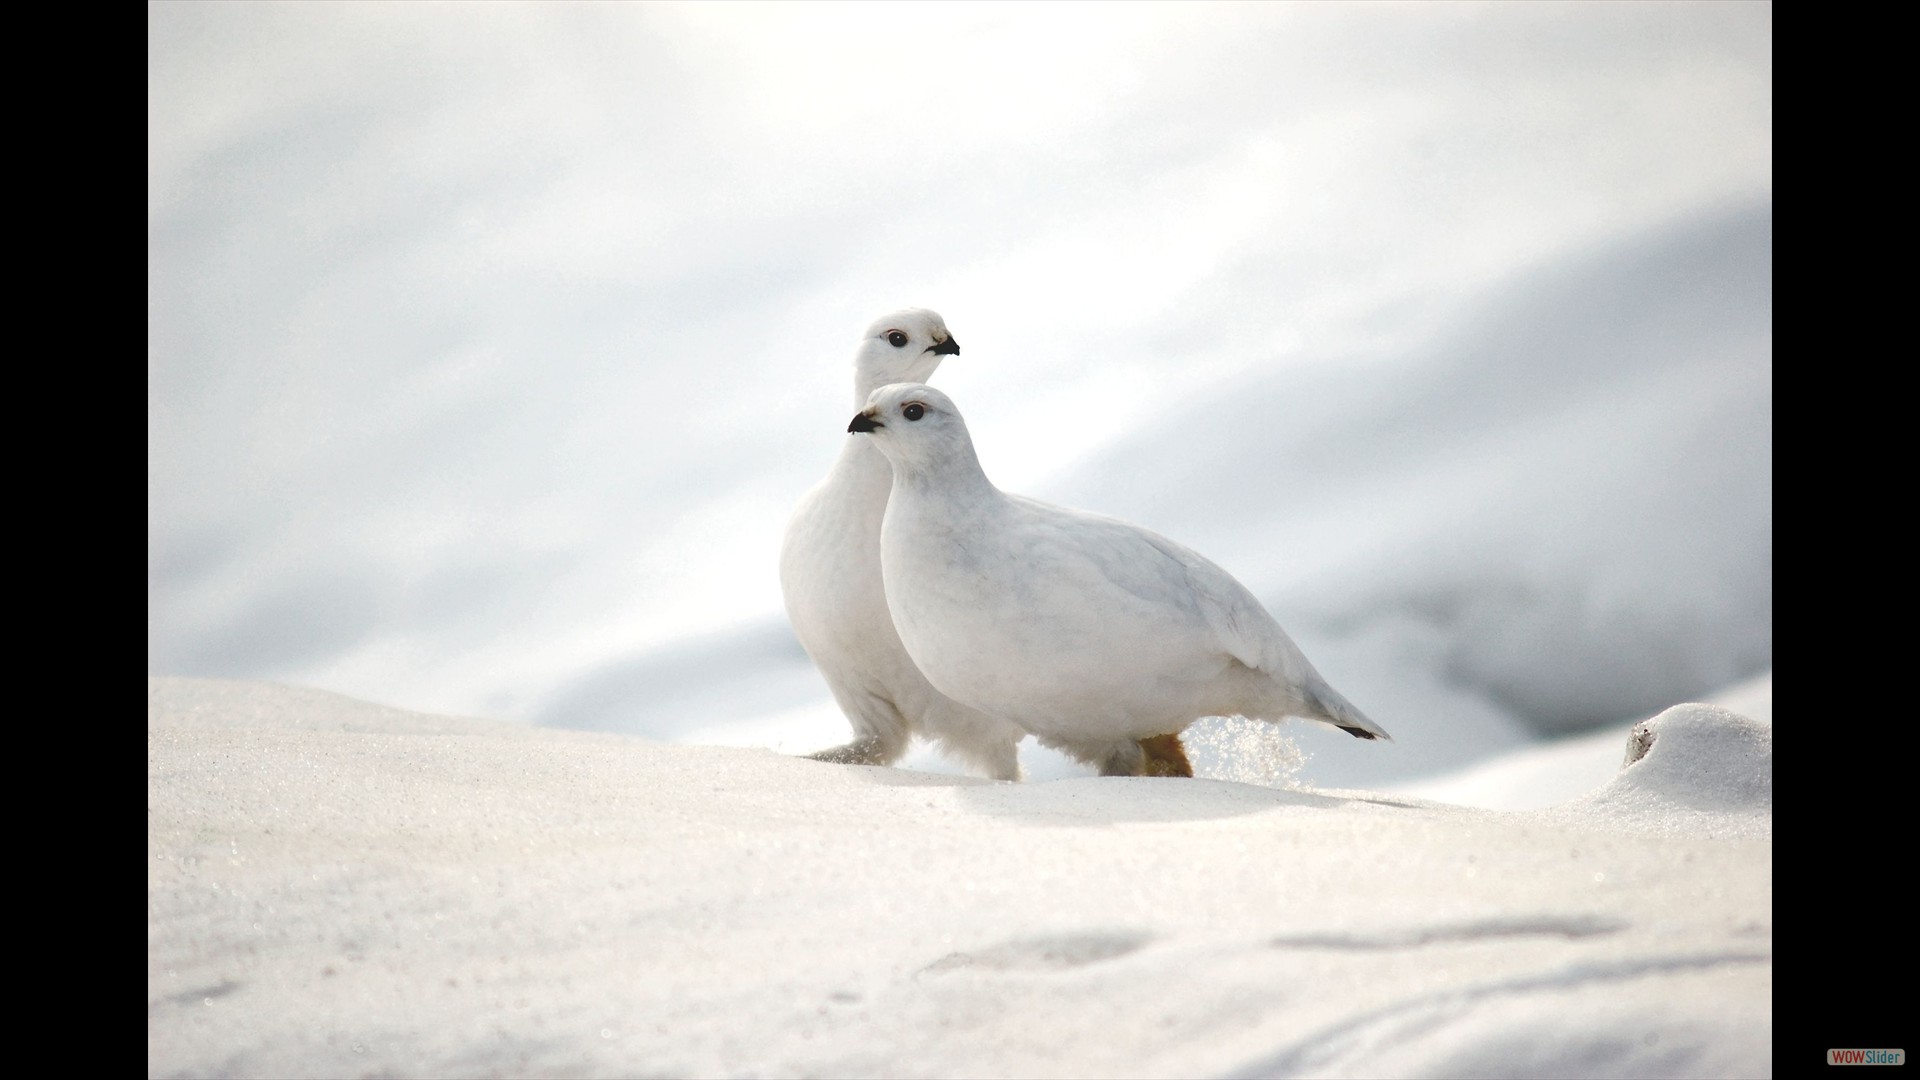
x=1161 y=755
x=1165 y=756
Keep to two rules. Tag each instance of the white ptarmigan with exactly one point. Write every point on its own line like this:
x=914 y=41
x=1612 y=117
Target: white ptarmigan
x=1091 y=633
x=830 y=579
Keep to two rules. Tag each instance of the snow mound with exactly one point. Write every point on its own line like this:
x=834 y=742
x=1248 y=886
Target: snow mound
x=1692 y=769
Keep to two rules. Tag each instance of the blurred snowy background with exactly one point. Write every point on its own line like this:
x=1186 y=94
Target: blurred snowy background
x=490 y=345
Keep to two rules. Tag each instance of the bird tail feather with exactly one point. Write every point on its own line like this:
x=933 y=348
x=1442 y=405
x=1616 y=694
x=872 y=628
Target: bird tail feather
x=1336 y=711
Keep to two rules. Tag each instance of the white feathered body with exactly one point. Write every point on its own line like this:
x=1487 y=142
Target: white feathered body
x=830 y=580
x=1080 y=627
x=835 y=599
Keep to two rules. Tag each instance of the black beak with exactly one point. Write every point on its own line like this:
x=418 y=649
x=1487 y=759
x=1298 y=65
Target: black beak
x=863 y=423
x=949 y=347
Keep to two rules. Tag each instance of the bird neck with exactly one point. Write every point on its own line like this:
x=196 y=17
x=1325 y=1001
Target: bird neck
x=952 y=470
x=863 y=466
x=870 y=376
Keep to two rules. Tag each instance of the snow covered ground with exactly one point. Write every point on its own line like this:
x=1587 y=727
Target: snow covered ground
x=339 y=888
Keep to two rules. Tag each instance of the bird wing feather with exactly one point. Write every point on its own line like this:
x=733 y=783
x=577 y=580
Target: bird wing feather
x=1241 y=627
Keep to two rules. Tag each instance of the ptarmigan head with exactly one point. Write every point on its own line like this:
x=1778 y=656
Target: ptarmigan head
x=916 y=426
x=905 y=346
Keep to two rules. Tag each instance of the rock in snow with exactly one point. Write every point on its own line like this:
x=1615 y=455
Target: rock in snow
x=1694 y=769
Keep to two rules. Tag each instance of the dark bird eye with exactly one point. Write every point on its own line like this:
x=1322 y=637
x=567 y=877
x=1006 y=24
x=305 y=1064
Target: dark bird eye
x=897 y=339
x=914 y=411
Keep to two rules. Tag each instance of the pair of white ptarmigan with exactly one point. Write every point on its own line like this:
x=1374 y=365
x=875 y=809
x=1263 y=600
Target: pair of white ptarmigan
x=935 y=604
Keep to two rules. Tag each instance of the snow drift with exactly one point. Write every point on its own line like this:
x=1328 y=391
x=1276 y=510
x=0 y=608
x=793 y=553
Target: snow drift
x=336 y=888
